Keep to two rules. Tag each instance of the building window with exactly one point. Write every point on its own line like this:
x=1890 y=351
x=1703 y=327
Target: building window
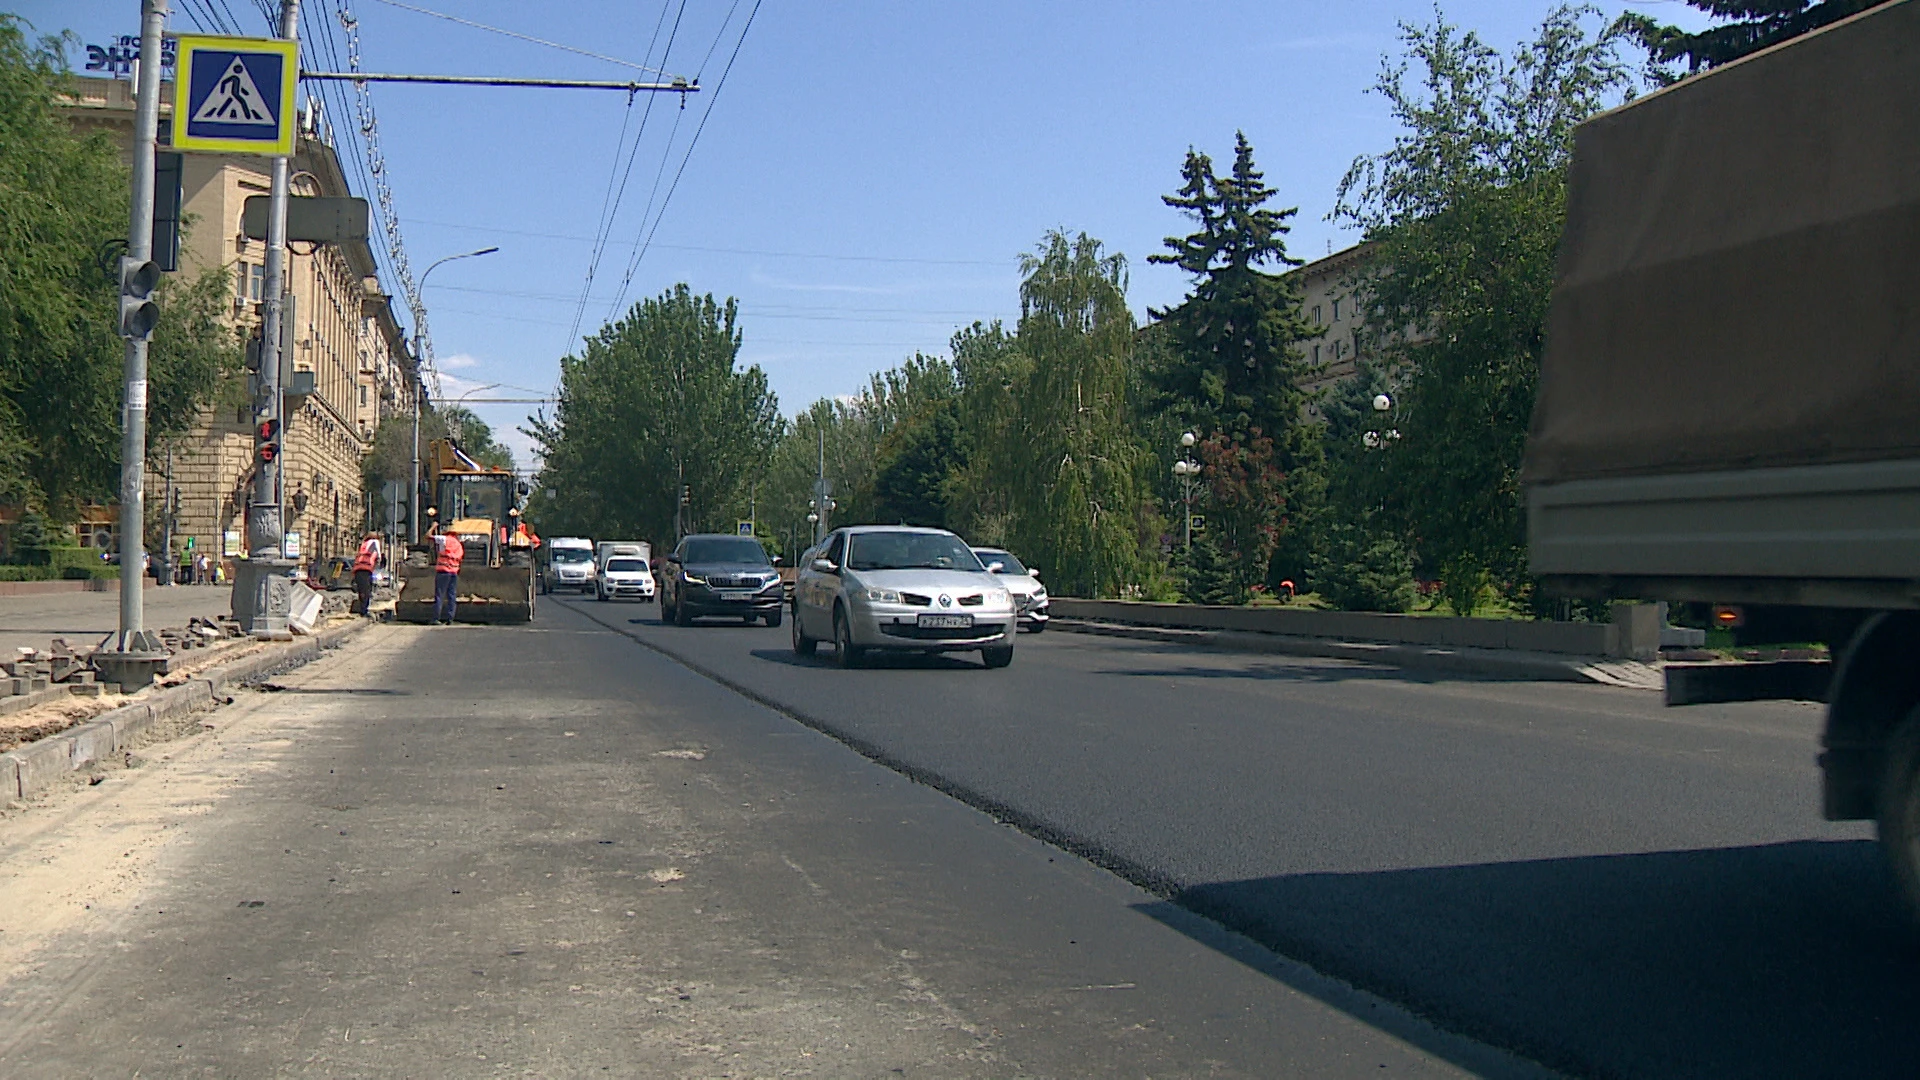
x=363 y=397
x=240 y=280
x=1316 y=354
x=257 y=282
x=1336 y=309
x=1316 y=316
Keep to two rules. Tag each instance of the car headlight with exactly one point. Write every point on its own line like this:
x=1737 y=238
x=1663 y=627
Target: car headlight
x=691 y=580
x=1039 y=596
x=998 y=596
x=880 y=596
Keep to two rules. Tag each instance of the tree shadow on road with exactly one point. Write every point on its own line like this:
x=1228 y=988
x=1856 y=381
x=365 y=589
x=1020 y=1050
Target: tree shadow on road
x=1305 y=669
x=1778 y=960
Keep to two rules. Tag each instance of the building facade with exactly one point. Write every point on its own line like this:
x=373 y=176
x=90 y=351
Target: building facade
x=1330 y=297
x=345 y=338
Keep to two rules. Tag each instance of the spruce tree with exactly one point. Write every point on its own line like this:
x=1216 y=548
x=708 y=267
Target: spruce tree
x=1234 y=363
x=1753 y=25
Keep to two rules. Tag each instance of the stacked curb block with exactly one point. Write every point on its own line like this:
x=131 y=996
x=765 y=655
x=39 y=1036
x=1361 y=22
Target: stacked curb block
x=39 y=765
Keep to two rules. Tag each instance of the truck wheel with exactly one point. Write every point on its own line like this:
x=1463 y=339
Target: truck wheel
x=1899 y=811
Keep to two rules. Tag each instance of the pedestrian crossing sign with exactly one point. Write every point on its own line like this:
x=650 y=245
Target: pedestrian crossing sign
x=234 y=95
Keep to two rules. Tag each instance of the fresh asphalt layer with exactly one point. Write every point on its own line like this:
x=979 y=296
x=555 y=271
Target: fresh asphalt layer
x=1572 y=872
x=546 y=850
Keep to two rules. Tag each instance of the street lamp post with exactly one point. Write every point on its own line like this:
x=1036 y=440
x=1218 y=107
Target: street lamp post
x=1188 y=471
x=420 y=389
x=1377 y=437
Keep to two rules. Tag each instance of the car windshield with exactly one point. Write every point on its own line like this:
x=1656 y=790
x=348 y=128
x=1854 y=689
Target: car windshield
x=725 y=549
x=626 y=566
x=909 y=551
x=1011 y=564
x=572 y=555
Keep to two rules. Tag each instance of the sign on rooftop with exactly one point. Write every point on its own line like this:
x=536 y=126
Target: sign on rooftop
x=234 y=95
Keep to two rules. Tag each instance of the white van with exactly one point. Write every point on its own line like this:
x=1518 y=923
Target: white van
x=568 y=564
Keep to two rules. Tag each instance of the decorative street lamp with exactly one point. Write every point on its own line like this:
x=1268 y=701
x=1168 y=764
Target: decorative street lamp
x=1188 y=472
x=1373 y=438
x=419 y=385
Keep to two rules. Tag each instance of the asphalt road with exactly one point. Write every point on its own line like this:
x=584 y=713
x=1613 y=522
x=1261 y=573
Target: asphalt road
x=1572 y=872
x=547 y=850
x=83 y=618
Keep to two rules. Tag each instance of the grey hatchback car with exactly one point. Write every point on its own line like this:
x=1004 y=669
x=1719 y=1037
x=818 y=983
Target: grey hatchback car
x=885 y=587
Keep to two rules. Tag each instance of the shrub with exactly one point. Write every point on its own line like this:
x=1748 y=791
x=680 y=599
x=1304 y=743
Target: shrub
x=1355 y=571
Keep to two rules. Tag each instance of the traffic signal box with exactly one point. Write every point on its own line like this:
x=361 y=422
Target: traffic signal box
x=139 y=313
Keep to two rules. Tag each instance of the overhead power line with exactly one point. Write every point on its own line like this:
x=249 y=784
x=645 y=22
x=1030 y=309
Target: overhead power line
x=641 y=252
x=522 y=37
x=610 y=202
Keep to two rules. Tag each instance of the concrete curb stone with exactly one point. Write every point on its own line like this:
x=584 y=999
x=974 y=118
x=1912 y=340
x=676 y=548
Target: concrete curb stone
x=1503 y=663
x=38 y=765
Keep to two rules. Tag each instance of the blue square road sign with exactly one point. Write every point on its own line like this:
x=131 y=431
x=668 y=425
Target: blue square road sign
x=235 y=95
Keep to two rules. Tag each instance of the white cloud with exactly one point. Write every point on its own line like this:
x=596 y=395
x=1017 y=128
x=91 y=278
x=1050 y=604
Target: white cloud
x=456 y=361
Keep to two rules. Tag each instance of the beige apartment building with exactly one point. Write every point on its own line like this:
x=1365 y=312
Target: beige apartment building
x=1328 y=289
x=346 y=339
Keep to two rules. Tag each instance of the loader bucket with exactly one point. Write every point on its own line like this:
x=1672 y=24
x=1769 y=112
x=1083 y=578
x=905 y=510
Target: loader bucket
x=502 y=594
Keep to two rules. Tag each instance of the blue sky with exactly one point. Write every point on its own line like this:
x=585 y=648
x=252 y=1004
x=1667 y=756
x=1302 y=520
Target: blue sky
x=870 y=171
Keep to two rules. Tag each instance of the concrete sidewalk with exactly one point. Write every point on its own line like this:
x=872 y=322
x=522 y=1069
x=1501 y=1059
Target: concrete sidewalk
x=83 y=618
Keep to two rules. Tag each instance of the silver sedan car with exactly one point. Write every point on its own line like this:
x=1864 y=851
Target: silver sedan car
x=892 y=587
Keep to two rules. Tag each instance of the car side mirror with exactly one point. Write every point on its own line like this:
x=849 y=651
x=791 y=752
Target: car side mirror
x=1033 y=571
x=825 y=566
x=995 y=567
x=778 y=561
x=673 y=557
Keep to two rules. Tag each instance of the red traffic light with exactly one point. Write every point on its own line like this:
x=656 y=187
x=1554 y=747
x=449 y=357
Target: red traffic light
x=269 y=451
x=268 y=430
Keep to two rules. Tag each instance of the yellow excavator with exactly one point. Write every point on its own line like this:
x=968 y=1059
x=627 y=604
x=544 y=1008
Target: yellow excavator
x=479 y=504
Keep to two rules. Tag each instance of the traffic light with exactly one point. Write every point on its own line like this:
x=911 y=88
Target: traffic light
x=269 y=433
x=138 y=311
x=686 y=494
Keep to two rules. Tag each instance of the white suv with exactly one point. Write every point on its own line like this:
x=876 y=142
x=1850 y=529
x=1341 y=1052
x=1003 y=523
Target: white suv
x=624 y=577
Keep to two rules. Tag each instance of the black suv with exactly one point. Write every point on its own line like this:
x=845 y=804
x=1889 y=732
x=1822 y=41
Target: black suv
x=718 y=574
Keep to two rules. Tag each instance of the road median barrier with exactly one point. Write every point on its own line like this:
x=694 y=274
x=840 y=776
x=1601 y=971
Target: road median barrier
x=1494 y=648
x=31 y=769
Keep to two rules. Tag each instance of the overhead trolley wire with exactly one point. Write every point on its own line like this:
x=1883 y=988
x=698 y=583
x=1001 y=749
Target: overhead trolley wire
x=609 y=212
x=641 y=252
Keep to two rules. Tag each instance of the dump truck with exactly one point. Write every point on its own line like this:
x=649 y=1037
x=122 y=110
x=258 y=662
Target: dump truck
x=1729 y=401
x=481 y=505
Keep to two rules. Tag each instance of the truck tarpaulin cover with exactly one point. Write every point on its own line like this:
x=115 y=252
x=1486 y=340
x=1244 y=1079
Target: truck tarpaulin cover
x=1739 y=283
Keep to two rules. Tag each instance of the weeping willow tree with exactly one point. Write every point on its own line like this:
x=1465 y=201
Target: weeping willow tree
x=1072 y=459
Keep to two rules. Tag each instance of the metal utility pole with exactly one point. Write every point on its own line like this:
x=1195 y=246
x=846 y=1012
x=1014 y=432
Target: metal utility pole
x=265 y=536
x=137 y=655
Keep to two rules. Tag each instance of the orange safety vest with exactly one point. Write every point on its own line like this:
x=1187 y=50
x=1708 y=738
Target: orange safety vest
x=447 y=561
x=369 y=555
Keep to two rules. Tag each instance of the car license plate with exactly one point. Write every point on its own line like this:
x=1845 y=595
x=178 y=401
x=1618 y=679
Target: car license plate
x=738 y=594
x=946 y=622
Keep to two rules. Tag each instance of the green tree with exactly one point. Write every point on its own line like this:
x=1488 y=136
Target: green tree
x=656 y=401
x=988 y=366
x=1233 y=363
x=63 y=204
x=472 y=435
x=63 y=218
x=1747 y=27
x=1245 y=496
x=1466 y=210
x=917 y=465
x=1071 y=462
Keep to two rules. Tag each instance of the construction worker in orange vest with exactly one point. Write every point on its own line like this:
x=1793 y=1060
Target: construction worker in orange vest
x=447 y=553
x=364 y=564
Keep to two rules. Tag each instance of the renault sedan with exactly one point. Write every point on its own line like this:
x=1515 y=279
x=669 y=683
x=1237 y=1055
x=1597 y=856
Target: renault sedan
x=878 y=587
